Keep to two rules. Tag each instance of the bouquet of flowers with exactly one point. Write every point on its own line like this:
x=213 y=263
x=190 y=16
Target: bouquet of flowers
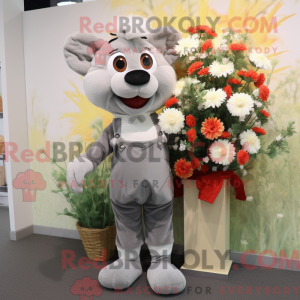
x=219 y=109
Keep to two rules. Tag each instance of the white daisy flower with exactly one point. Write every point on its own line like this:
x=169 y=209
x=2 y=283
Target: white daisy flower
x=181 y=83
x=175 y=147
x=240 y=104
x=278 y=138
x=218 y=70
x=192 y=58
x=214 y=98
x=206 y=159
x=243 y=242
x=249 y=198
x=279 y=216
x=182 y=147
x=250 y=141
x=171 y=120
x=221 y=152
x=260 y=60
x=187 y=46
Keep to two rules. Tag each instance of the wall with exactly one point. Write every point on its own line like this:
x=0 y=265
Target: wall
x=14 y=106
x=274 y=184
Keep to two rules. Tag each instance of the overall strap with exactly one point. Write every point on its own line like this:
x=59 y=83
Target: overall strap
x=117 y=127
x=155 y=120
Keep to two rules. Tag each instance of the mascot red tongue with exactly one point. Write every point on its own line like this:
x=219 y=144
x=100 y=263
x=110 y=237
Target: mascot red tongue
x=135 y=102
x=140 y=63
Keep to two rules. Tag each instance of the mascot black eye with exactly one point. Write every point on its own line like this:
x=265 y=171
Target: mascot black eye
x=120 y=64
x=146 y=61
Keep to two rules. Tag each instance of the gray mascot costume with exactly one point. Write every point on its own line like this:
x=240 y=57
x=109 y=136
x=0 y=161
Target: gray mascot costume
x=131 y=77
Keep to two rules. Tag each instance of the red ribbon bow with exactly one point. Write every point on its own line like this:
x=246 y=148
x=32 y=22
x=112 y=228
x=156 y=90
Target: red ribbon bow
x=210 y=184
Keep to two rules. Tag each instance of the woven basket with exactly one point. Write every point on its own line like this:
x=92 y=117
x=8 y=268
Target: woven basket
x=99 y=244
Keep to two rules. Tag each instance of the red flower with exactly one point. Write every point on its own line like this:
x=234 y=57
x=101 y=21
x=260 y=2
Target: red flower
x=234 y=81
x=225 y=135
x=192 y=30
x=260 y=81
x=211 y=32
x=259 y=130
x=183 y=169
x=171 y=102
x=204 y=71
x=195 y=163
x=264 y=93
x=212 y=128
x=228 y=90
x=191 y=135
x=206 y=45
x=242 y=157
x=195 y=66
x=237 y=47
x=251 y=74
x=265 y=113
x=190 y=121
x=204 y=168
x=202 y=27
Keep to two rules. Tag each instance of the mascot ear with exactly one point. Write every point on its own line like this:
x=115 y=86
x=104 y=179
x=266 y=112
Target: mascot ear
x=80 y=49
x=165 y=39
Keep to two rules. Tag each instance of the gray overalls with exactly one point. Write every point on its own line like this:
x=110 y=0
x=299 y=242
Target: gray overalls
x=141 y=176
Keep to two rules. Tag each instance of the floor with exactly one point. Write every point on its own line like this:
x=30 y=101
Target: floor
x=32 y=269
x=3 y=200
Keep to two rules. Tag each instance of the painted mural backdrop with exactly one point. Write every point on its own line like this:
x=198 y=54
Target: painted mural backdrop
x=270 y=217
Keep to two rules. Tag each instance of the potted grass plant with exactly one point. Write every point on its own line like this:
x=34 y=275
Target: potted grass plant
x=92 y=210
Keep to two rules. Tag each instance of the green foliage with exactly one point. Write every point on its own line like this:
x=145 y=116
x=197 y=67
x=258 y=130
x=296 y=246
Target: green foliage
x=92 y=208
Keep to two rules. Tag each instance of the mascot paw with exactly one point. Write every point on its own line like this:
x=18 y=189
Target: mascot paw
x=120 y=274
x=164 y=278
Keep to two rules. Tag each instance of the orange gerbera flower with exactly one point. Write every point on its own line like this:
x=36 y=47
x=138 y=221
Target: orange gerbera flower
x=204 y=71
x=192 y=30
x=265 y=113
x=183 y=168
x=237 y=47
x=171 y=102
x=264 y=93
x=195 y=66
x=228 y=90
x=242 y=157
x=190 y=121
x=259 y=130
x=191 y=135
x=206 y=45
x=212 y=128
x=195 y=163
x=225 y=135
x=260 y=81
x=251 y=74
x=234 y=81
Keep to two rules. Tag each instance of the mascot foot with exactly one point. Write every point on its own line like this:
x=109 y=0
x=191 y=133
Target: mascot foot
x=120 y=274
x=164 y=278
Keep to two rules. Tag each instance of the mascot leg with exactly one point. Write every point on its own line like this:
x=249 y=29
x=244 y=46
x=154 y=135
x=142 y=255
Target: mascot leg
x=163 y=277
x=127 y=269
